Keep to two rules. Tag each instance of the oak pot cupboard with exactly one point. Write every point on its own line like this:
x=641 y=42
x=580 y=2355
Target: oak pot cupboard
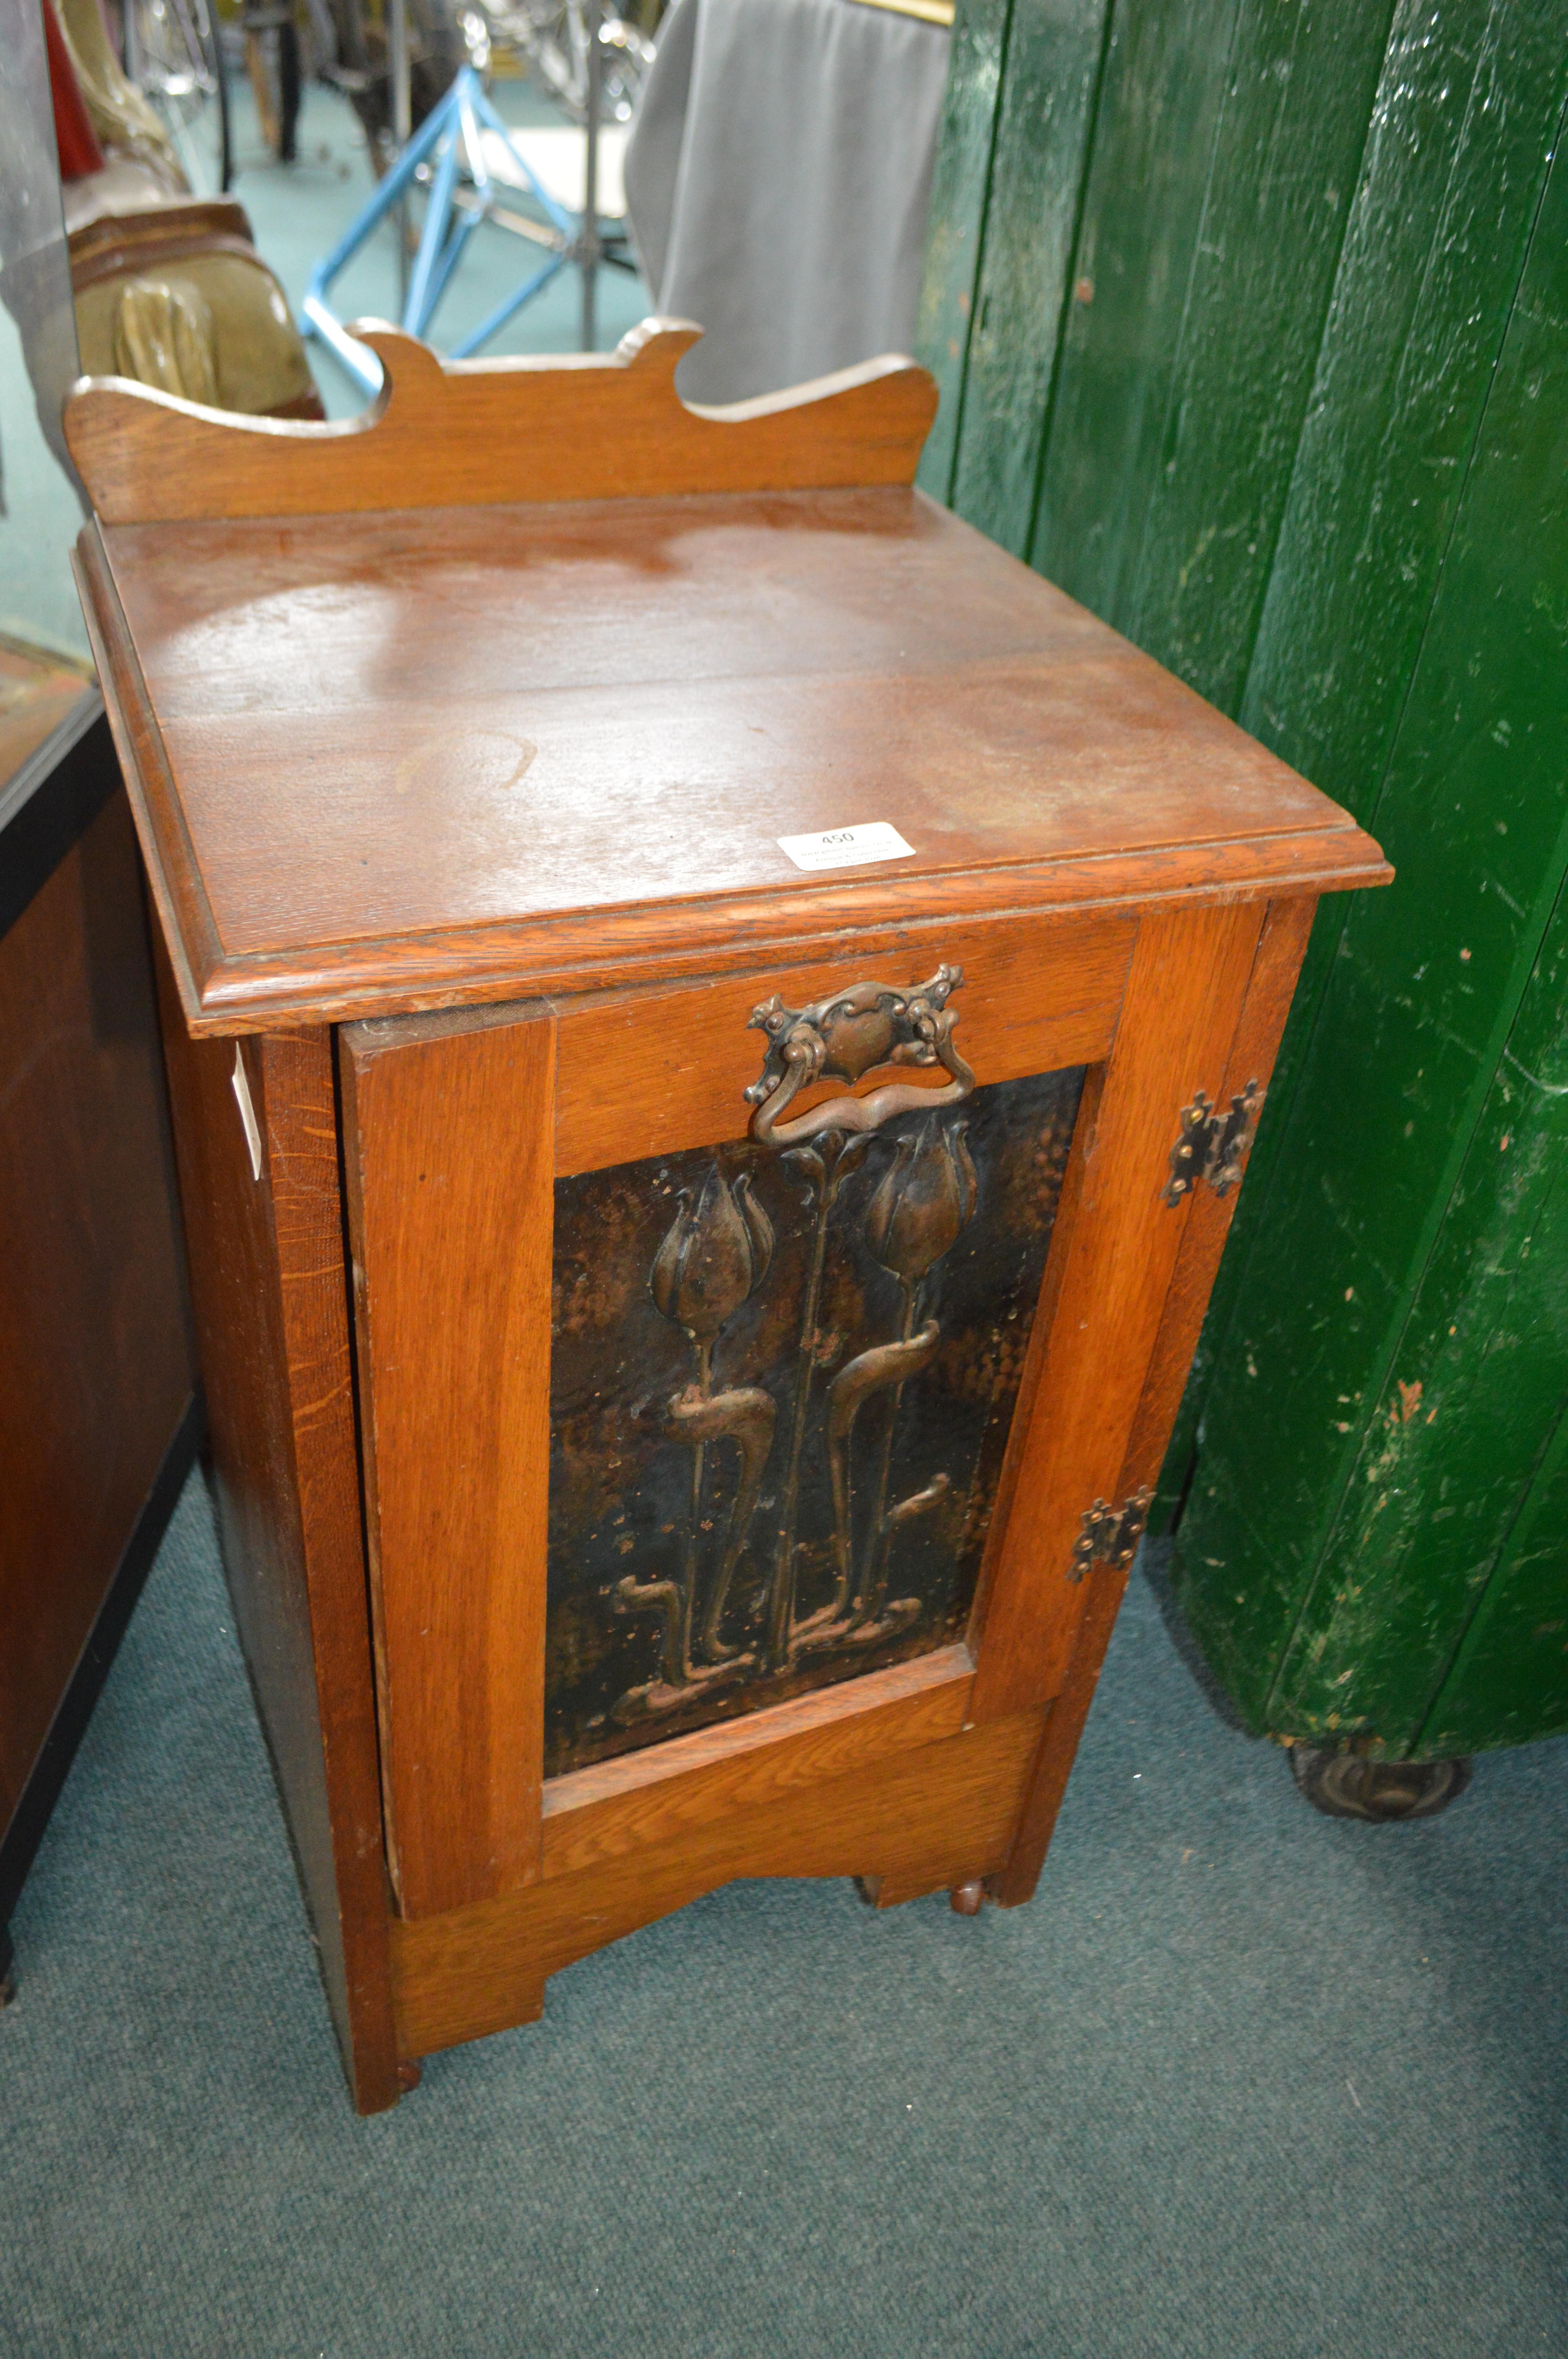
x=714 y=1022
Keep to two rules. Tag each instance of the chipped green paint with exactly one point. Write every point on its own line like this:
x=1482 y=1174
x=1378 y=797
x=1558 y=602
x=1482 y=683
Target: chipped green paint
x=1161 y=95
x=1296 y=1547
x=1300 y=427
x=1464 y=119
x=959 y=189
x=1481 y=1380
x=1522 y=1618
x=1290 y=125
x=1049 y=82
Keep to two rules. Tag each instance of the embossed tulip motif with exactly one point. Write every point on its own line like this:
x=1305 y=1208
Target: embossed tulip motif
x=715 y=1253
x=924 y=1199
x=927 y=1197
x=821 y=1170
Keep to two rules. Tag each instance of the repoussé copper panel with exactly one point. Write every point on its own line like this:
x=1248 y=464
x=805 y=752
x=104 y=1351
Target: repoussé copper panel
x=753 y=1492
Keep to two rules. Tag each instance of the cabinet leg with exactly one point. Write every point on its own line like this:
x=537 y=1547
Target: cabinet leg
x=1350 y=1786
x=966 y=1899
x=1058 y=1746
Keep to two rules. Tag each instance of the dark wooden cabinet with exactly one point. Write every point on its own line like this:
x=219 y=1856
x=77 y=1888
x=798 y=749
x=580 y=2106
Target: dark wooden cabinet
x=98 y=1421
x=691 y=1312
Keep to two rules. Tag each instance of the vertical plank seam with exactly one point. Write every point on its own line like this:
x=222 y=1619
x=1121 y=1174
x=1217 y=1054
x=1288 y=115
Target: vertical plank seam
x=1558 y=899
x=960 y=400
x=1523 y=967
x=1315 y=1018
x=1442 y=1676
x=1132 y=622
x=1265 y=572
x=1464 y=1132
x=1069 y=281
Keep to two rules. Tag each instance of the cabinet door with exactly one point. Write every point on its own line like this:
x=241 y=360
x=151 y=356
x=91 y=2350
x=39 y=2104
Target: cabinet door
x=704 y=1352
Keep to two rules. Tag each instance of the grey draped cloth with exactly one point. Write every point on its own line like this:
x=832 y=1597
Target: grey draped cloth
x=777 y=180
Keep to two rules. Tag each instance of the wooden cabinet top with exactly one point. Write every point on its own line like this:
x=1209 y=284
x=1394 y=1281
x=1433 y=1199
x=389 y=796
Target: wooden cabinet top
x=461 y=711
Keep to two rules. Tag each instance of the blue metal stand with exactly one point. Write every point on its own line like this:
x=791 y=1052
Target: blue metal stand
x=448 y=137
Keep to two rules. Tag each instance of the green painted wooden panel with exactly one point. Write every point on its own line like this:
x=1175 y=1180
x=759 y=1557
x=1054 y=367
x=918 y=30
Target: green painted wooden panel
x=1395 y=1083
x=1481 y=1381
x=961 y=189
x=1522 y=1621
x=1162 y=92
x=1050 y=80
x=1220 y=427
x=1251 y=400
x=1464 y=119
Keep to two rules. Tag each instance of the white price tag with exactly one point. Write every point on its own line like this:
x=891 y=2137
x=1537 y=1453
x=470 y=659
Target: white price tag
x=846 y=847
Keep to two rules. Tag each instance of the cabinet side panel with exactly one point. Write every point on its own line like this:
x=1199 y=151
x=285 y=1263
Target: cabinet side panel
x=1205 y=1221
x=1189 y=974
x=450 y=1144
x=1281 y=947
x=271 y=1303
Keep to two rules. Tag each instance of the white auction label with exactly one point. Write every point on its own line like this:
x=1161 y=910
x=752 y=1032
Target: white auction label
x=846 y=847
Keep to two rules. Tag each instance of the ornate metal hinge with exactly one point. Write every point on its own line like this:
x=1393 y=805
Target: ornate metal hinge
x=1212 y=1145
x=1110 y=1535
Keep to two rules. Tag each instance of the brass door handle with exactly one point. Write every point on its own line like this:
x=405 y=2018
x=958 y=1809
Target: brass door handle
x=845 y=1037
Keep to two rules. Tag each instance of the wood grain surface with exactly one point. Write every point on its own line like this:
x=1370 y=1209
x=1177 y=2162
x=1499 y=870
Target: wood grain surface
x=447 y=1151
x=1205 y=1221
x=1281 y=945
x=35 y=696
x=933 y=1816
x=1105 y=1585
x=477 y=723
x=272 y=1315
x=399 y=762
x=651 y=1073
x=443 y=434
x=671 y=1791
x=1184 y=998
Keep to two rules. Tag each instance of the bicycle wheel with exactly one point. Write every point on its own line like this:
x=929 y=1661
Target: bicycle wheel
x=552 y=34
x=172 y=55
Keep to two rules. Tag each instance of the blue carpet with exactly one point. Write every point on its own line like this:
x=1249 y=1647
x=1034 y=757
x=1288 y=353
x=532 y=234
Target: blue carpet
x=1243 y=2080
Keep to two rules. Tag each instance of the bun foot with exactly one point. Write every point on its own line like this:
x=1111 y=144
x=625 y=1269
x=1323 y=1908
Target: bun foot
x=967 y=1899
x=408 y=2074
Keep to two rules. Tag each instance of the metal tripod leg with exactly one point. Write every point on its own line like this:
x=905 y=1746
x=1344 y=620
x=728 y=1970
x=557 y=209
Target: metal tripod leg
x=448 y=134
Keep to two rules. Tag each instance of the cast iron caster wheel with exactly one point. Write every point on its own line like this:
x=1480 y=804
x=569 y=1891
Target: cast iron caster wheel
x=1349 y=1786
